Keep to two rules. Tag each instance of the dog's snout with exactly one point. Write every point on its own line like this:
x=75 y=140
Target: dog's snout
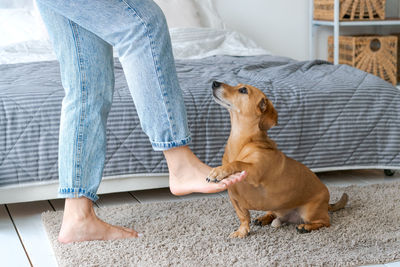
x=216 y=84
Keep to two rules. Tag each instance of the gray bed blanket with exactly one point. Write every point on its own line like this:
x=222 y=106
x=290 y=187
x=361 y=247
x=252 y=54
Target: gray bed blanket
x=330 y=117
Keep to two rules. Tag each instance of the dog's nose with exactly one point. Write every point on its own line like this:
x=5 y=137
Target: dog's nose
x=216 y=84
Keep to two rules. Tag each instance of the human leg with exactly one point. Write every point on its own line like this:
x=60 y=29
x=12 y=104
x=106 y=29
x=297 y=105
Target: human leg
x=87 y=75
x=138 y=31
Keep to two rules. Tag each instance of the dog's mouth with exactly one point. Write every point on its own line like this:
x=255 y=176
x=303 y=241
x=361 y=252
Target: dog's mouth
x=217 y=94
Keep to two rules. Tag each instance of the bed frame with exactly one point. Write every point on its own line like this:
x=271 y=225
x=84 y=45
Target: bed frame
x=110 y=184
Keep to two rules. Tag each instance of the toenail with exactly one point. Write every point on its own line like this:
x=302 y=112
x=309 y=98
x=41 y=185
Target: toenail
x=302 y=230
x=139 y=234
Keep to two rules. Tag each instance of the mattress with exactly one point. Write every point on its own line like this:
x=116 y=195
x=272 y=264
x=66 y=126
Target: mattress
x=330 y=116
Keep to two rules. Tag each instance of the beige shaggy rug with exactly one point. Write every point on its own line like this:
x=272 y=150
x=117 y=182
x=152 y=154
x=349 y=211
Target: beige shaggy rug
x=195 y=233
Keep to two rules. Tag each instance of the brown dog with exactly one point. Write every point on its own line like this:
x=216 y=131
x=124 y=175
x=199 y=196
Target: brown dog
x=285 y=188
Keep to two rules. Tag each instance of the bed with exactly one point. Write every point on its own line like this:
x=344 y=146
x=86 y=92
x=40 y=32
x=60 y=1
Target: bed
x=331 y=117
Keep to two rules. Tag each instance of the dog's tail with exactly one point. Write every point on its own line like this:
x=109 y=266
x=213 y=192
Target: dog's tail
x=340 y=204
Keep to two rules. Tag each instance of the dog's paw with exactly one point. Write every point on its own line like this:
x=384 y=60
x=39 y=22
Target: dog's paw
x=257 y=222
x=239 y=234
x=217 y=174
x=302 y=229
x=264 y=220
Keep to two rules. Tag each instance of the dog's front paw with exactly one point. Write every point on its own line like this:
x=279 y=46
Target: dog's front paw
x=240 y=233
x=217 y=174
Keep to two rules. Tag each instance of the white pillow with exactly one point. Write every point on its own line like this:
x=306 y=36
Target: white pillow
x=195 y=43
x=209 y=16
x=180 y=13
x=19 y=25
x=29 y=51
x=191 y=13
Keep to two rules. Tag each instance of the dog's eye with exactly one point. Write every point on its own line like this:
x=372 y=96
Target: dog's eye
x=243 y=90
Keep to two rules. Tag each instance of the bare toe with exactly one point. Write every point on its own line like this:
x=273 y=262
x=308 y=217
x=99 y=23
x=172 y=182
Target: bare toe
x=127 y=229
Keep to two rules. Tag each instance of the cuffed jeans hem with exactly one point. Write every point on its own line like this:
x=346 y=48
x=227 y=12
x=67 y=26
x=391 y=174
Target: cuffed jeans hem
x=162 y=146
x=77 y=193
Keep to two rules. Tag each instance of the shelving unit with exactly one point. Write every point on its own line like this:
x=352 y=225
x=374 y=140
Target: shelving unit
x=336 y=24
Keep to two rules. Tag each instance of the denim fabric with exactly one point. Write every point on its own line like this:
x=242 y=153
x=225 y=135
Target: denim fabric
x=83 y=34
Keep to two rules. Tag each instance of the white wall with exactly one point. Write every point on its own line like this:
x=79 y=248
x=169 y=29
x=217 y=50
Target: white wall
x=282 y=26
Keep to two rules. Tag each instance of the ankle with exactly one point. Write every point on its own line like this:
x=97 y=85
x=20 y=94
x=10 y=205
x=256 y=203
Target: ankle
x=179 y=157
x=78 y=209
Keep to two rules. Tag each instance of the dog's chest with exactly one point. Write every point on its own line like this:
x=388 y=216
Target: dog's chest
x=233 y=154
x=234 y=150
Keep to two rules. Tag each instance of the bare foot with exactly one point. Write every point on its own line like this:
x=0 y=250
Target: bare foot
x=187 y=174
x=80 y=223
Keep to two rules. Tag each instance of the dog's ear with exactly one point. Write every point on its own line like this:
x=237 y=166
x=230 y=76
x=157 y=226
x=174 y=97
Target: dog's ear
x=269 y=115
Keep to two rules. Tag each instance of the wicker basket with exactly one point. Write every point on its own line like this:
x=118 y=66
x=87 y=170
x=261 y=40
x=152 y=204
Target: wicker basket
x=398 y=54
x=373 y=54
x=350 y=9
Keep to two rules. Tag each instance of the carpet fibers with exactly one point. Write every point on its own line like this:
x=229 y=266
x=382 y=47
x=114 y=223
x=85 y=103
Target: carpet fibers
x=195 y=233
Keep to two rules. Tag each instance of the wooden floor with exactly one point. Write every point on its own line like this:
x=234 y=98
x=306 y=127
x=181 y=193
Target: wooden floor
x=23 y=241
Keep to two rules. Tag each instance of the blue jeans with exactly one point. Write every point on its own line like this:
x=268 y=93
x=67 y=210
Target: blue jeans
x=83 y=34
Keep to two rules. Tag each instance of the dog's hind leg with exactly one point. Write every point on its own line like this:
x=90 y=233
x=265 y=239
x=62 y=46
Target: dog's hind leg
x=266 y=219
x=315 y=216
